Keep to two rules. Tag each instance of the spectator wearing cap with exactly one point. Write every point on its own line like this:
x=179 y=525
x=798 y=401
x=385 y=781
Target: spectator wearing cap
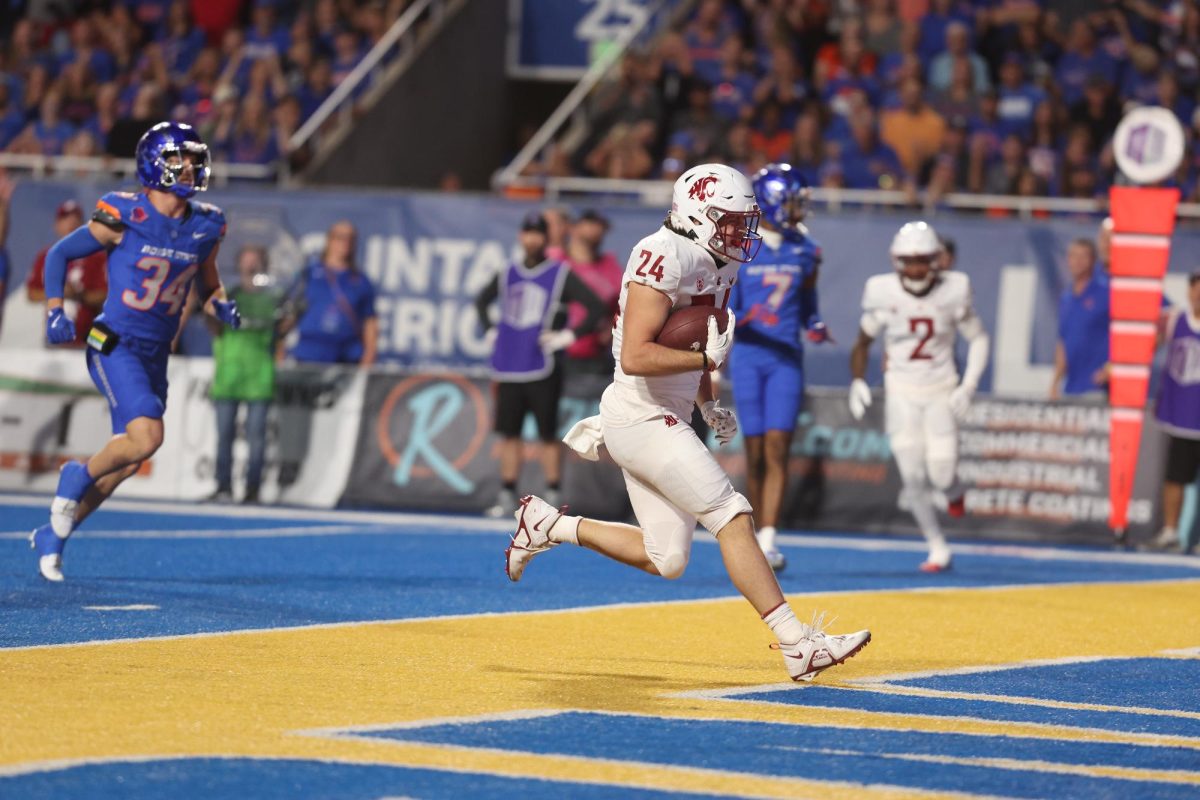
x=531 y=296
x=1178 y=411
x=87 y=277
x=335 y=304
x=914 y=131
x=1018 y=98
x=1081 y=356
x=598 y=268
x=265 y=37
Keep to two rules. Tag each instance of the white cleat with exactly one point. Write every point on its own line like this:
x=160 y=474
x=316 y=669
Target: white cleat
x=818 y=651
x=505 y=502
x=939 y=561
x=49 y=548
x=766 y=543
x=776 y=560
x=535 y=517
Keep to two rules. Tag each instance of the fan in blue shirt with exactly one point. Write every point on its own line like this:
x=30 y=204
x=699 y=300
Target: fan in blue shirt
x=1083 y=317
x=775 y=302
x=159 y=242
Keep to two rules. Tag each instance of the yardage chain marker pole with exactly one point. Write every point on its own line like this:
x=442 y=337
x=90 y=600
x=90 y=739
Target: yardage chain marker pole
x=1148 y=146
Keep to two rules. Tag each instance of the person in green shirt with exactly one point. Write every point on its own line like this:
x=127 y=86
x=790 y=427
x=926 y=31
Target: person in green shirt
x=245 y=371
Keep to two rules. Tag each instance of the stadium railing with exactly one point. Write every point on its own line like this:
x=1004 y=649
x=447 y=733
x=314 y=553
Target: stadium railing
x=658 y=193
x=404 y=36
x=104 y=166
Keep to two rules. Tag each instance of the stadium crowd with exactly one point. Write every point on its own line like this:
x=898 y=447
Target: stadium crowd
x=88 y=78
x=1016 y=97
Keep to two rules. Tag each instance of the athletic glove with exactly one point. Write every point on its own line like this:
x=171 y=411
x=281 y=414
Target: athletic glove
x=818 y=333
x=553 y=341
x=59 y=327
x=719 y=343
x=721 y=420
x=960 y=400
x=227 y=311
x=860 y=398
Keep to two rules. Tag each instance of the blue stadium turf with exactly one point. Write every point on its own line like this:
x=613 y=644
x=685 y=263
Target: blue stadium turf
x=836 y=754
x=205 y=584
x=285 y=779
x=1170 y=686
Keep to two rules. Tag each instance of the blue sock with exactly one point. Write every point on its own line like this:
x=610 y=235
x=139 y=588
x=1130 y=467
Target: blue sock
x=74 y=481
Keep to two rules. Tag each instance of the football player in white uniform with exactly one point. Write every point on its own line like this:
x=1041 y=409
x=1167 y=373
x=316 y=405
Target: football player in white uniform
x=918 y=308
x=672 y=479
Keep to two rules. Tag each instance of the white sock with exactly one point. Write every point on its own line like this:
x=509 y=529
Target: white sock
x=566 y=529
x=921 y=506
x=783 y=623
x=766 y=537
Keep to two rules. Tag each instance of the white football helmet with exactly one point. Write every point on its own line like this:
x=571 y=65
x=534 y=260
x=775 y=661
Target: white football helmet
x=916 y=240
x=715 y=205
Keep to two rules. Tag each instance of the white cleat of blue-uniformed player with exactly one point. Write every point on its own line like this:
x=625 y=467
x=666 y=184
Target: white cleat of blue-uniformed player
x=49 y=547
x=535 y=517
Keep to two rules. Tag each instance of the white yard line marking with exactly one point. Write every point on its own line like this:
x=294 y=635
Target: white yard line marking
x=131 y=607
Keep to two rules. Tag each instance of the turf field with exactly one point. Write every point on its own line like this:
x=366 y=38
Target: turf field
x=198 y=651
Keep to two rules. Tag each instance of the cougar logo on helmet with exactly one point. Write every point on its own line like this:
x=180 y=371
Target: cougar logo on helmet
x=703 y=189
x=714 y=206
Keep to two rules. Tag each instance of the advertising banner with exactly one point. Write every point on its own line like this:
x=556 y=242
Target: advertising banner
x=429 y=255
x=51 y=413
x=1031 y=470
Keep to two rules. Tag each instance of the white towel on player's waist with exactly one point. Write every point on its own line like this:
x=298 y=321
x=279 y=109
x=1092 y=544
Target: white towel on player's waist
x=585 y=438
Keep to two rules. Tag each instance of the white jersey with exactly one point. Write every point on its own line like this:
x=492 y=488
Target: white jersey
x=919 y=332
x=687 y=274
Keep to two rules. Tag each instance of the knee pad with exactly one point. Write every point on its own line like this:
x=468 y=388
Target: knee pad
x=910 y=461
x=941 y=473
x=672 y=566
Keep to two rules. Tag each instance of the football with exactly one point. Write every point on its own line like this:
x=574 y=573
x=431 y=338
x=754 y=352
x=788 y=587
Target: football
x=687 y=328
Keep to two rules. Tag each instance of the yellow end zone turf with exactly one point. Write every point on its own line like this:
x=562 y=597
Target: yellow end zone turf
x=265 y=694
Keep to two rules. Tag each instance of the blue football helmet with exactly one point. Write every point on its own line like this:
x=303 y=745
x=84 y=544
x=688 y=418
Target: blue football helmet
x=783 y=197
x=158 y=145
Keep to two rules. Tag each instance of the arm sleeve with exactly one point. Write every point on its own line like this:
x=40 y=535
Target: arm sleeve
x=485 y=299
x=576 y=291
x=4 y=269
x=76 y=244
x=970 y=327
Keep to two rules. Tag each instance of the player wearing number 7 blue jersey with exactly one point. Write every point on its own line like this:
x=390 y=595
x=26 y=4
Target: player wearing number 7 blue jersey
x=158 y=241
x=775 y=300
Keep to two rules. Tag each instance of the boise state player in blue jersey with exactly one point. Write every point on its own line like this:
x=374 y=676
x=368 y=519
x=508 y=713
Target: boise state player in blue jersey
x=775 y=301
x=158 y=241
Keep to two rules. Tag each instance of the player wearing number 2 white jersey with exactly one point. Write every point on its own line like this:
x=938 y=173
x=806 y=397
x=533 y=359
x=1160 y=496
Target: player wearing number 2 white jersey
x=672 y=478
x=919 y=311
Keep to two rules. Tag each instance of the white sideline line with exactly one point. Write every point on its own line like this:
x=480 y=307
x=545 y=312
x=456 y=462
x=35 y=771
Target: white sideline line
x=359 y=522
x=569 y=610
x=273 y=512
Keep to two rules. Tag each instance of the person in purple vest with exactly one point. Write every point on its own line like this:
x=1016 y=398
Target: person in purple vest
x=527 y=357
x=1178 y=411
